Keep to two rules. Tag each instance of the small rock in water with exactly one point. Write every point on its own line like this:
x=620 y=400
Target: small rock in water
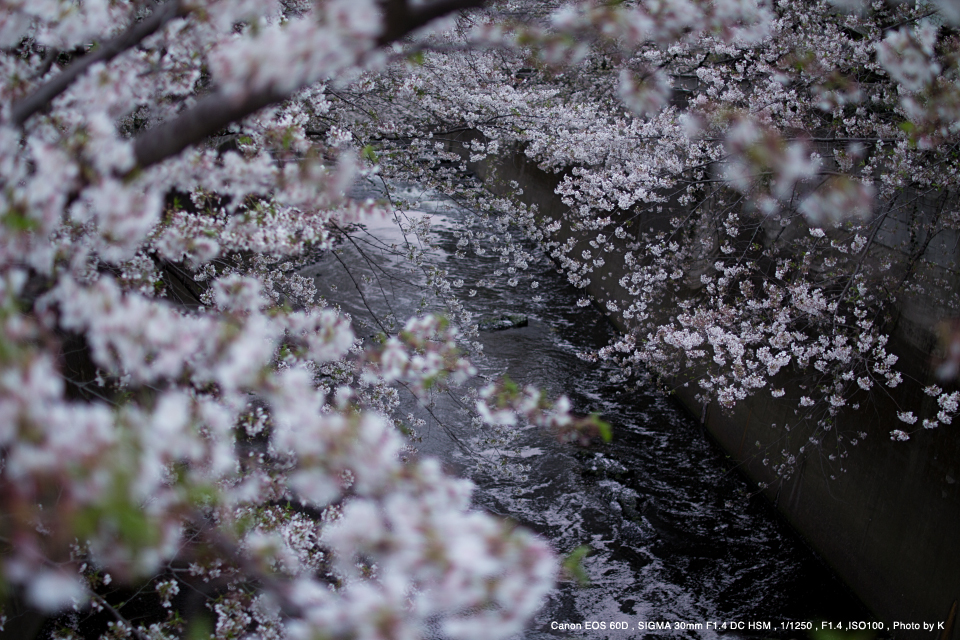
x=505 y=321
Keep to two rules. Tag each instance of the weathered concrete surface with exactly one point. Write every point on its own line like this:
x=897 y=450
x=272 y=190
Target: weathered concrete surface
x=888 y=525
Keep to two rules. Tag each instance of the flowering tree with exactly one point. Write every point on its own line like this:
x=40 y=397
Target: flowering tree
x=184 y=421
x=757 y=187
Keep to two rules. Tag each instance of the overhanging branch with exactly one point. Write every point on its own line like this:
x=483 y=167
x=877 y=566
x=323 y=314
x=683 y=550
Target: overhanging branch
x=209 y=115
x=43 y=95
x=213 y=113
x=400 y=19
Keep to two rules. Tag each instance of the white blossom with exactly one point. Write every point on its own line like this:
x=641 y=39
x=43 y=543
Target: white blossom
x=907 y=416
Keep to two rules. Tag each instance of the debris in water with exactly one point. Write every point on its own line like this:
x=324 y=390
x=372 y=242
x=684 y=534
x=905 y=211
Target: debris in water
x=505 y=321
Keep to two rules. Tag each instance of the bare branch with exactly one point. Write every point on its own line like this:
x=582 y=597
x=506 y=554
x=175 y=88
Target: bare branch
x=43 y=95
x=216 y=111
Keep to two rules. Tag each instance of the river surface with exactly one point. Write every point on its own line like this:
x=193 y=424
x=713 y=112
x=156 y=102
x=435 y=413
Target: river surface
x=675 y=533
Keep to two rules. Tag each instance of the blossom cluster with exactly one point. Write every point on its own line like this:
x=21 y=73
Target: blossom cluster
x=183 y=417
x=755 y=184
x=753 y=190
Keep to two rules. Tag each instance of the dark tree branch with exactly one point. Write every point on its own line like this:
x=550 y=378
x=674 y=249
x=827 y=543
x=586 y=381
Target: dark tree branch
x=43 y=95
x=209 y=115
x=216 y=111
x=399 y=19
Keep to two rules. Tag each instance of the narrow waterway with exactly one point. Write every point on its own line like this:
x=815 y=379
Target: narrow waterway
x=675 y=534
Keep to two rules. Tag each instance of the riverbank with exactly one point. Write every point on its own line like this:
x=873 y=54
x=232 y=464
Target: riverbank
x=887 y=524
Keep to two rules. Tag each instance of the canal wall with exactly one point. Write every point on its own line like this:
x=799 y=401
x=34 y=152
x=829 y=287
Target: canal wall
x=888 y=525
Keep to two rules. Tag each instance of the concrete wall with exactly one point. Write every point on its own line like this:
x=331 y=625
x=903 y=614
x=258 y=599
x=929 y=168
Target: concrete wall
x=889 y=524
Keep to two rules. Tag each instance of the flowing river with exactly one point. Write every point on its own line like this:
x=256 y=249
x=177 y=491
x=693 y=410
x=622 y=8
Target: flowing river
x=675 y=534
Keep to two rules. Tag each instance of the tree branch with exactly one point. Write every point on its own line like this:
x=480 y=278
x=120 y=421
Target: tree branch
x=216 y=111
x=43 y=95
x=399 y=19
x=209 y=115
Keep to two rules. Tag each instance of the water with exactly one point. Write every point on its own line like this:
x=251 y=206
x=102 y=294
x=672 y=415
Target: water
x=675 y=534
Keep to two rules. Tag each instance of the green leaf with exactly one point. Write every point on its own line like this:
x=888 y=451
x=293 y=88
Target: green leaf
x=510 y=387
x=835 y=634
x=201 y=628
x=17 y=221
x=573 y=565
x=603 y=427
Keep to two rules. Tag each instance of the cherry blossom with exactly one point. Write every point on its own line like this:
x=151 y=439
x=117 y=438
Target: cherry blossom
x=182 y=412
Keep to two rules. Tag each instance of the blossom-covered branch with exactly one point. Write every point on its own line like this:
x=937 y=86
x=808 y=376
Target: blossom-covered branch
x=40 y=98
x=216 y=111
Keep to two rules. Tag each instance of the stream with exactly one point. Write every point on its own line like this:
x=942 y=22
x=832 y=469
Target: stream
x=675 y=534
